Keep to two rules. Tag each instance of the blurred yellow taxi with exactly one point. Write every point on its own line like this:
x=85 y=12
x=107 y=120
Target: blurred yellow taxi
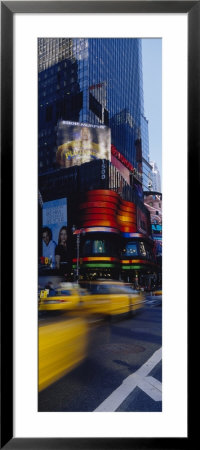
x=154 y=298
x=65 y=297
x=62 y=339
x=158 y=292
x=65 y=322
x=111 y=298
x=96 y=297
x=63 y=344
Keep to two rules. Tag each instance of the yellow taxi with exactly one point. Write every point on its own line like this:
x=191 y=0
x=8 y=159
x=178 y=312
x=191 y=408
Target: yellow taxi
x=111 y=298
x=65 y=297
x=158 y=292
x=62 y=338
x=93 y=297
x=65 y=322
x=63 y=343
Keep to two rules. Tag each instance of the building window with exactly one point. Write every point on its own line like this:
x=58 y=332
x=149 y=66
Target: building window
x=49 y=111
x=95 y=106
x=106 y=117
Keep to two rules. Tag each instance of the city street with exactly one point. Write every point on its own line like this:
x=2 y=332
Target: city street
x=99 y=222
x=122 y=371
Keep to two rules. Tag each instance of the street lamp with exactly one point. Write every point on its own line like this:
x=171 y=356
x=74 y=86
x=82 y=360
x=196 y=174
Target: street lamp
x=77 y=232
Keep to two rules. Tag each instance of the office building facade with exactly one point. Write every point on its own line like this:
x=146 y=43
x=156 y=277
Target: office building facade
x=156 y=180
x=146 y=167
x=96 y=81
x=97 y=84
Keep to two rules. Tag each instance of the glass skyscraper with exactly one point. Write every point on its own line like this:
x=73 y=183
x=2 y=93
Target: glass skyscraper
x=156 y=181
x=93 y=142
x=96 y=81
x=146 y=167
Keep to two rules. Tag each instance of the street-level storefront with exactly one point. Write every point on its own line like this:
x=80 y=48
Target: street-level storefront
x=108 y=226
x=107 y=243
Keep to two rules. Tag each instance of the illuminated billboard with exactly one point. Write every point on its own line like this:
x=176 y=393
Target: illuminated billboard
x=54 y=222
x=78 y=143
x=143 y=222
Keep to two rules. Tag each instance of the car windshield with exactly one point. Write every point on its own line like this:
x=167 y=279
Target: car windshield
x=121 y=289
x=99 y=289
x=59 y=292
x=110 y=288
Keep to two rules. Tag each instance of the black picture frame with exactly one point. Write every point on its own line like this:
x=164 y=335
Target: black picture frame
x=8 y=9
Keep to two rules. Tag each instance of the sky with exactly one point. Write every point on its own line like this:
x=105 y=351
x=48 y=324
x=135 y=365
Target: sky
x=152 y=86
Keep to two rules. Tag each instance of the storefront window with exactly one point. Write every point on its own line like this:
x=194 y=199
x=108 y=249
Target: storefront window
x=87 y=248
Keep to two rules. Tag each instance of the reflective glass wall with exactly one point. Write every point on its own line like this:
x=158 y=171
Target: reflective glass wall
x=94 y=81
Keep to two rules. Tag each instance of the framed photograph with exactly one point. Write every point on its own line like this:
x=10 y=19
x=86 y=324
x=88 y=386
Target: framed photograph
x=60 y=89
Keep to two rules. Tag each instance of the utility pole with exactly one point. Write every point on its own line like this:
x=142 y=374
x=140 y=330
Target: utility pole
x=77 y=255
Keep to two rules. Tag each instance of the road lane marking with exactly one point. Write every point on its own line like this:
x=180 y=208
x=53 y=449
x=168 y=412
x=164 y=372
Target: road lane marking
x=117 y=397
x=151 y=387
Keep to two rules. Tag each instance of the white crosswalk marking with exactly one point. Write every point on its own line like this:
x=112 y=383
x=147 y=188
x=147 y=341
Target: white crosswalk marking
x=148 y=384
x=151 y=387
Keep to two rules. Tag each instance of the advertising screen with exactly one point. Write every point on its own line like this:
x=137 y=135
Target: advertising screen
x=78 y=143
x=54 y=220
x=143 y=223
x=156 y=228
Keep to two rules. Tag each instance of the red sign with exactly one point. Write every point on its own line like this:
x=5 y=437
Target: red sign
x=121 y=167
x=121 y=158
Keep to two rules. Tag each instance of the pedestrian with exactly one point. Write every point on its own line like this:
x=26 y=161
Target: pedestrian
x=62 y=251
x=48 y=248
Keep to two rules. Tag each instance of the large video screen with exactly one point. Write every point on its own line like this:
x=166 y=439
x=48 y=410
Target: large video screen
x=78 y=143
x=54 y=231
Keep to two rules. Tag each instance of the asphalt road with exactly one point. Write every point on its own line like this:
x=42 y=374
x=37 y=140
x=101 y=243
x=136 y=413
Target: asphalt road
x=122 y=372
